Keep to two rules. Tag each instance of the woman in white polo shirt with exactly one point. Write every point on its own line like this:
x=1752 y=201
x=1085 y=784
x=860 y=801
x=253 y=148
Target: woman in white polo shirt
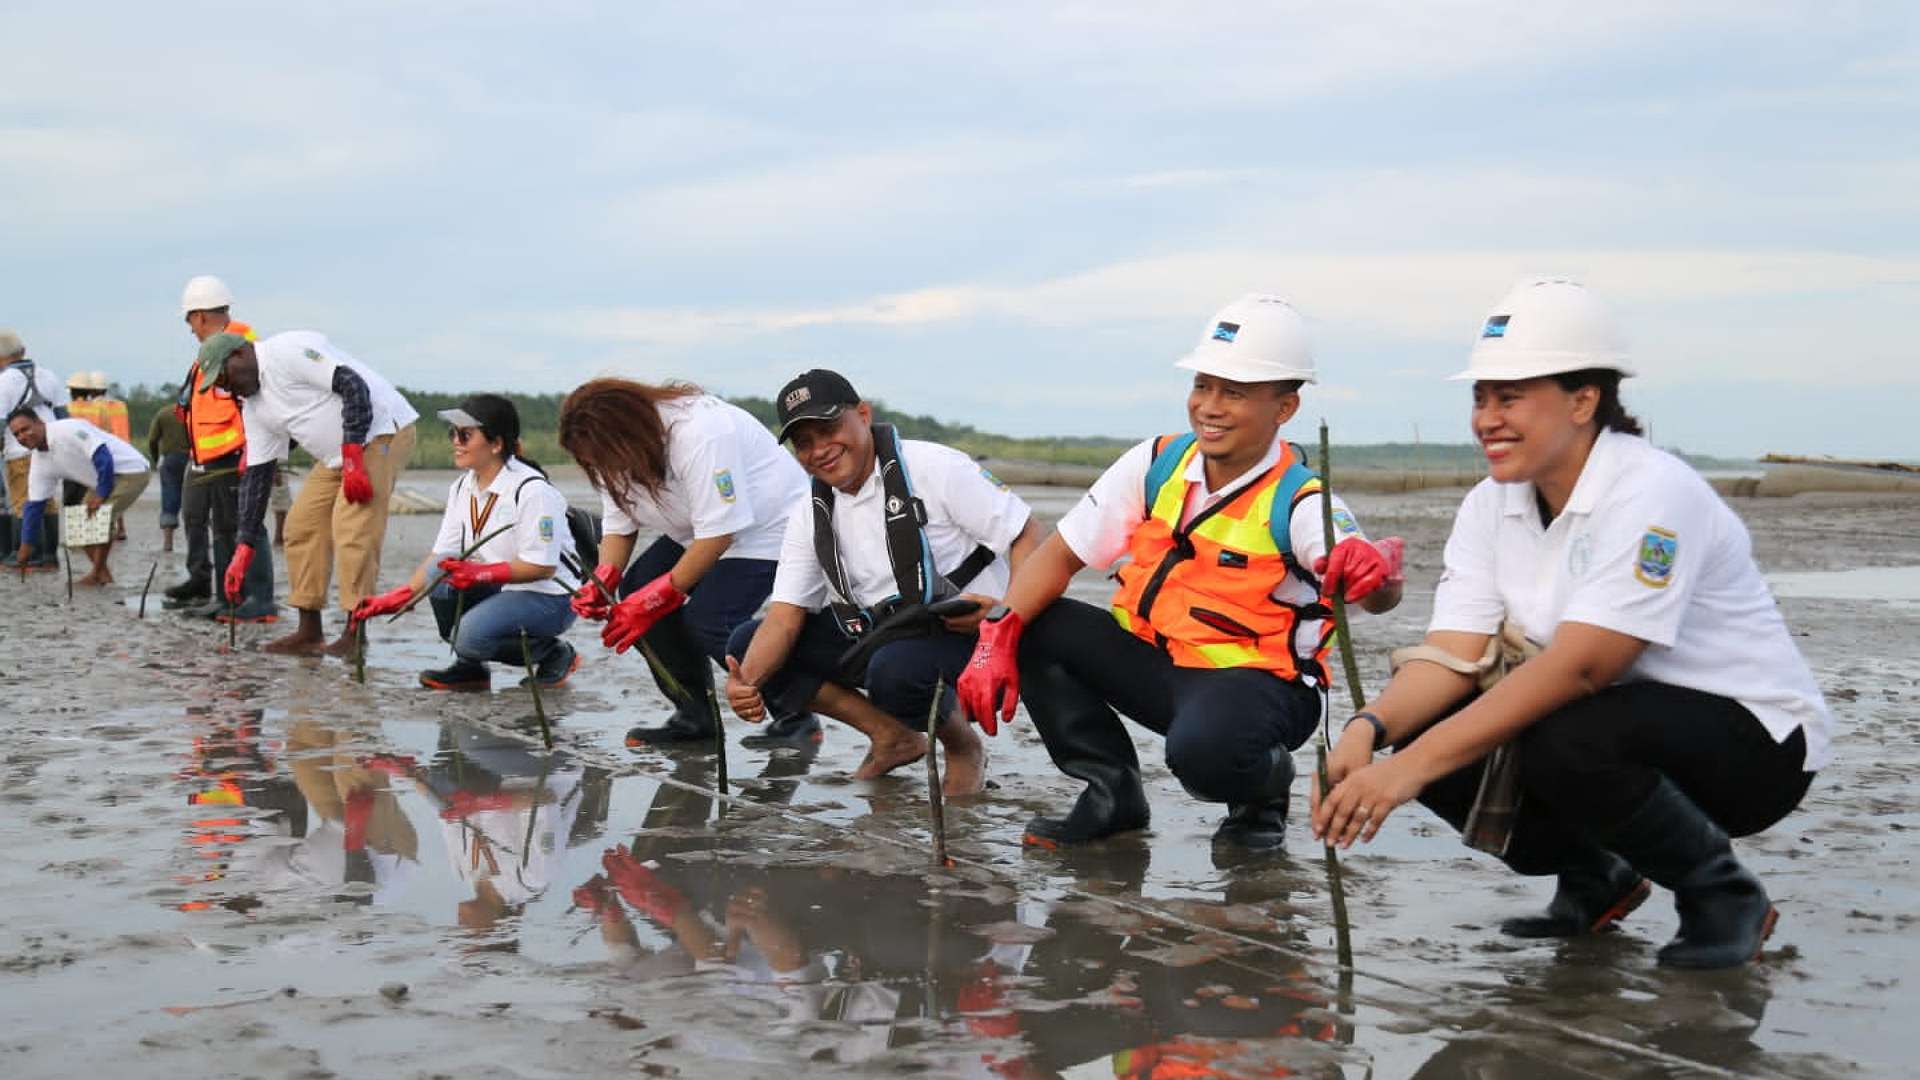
x=711 y=481
x=1668 y=708
x=513 y=584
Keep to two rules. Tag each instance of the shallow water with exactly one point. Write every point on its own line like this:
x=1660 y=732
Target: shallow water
x=194 y=834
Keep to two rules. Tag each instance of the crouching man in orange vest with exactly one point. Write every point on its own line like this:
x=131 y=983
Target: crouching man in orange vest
x=1218 y=635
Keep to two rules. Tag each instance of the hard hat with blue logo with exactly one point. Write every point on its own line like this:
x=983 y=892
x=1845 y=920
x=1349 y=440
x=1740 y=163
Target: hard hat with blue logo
x=1546 y=326
x=1257 y=338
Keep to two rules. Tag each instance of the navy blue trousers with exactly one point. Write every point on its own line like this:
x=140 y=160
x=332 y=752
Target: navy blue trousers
x=899 y=678
x=1221 y=724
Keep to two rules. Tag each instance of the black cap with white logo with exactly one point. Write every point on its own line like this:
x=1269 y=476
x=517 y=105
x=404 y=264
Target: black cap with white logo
x=814 y=395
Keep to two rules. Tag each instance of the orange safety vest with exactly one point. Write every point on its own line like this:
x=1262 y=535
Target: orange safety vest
x=92 y=410
x=1205 y=592
x=212 y=415
x=117 y=421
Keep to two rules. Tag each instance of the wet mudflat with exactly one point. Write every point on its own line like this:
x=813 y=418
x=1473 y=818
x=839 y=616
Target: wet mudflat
x=233 y=864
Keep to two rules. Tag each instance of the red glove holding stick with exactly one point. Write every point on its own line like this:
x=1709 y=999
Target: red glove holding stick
x=463 y=575
x=355 y=484
x=989 y=688
x=633 y=617
x=595 y=601
x=235 y=581
x=1352 y=571
x=385 y=604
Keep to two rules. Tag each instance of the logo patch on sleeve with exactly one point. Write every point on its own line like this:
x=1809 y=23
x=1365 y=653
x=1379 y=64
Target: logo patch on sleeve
x=1653 y=567
x=723 y=483
x=546 y=530
x=992 y=479
x=312 y=355
x=1343 y=522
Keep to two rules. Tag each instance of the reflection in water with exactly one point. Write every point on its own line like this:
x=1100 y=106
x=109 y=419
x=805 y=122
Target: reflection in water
x=846 y=951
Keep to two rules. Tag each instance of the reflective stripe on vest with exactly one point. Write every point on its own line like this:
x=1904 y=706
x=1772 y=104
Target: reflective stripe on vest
x=1205 y=592
x=213 y=416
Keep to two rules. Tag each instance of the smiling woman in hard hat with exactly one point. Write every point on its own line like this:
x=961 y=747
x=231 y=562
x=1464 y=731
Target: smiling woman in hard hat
x=1667 y=708
x=1218 y=634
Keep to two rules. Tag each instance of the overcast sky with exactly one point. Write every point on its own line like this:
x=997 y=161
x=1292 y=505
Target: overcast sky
x=1014 y=215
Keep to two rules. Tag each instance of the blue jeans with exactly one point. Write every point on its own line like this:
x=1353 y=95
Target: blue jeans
x=899 y=678
x=492 y=619
x=173 y=478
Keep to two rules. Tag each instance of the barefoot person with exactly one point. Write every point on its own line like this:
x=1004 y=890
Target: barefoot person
x=708 y=478
x=1668 y=708
x=75 y=451
x=514 y=583
x=892 y=525
x=1217 y=636
x=298 y=386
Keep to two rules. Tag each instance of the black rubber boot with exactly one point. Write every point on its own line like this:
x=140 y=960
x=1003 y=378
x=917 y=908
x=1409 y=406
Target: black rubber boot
x=459 y=675
x=1088 y=742
x=1261 y=825
x=1596 y=890
x=686 y=682
x=800 y=731
x=1724 y=912
x=189 y=593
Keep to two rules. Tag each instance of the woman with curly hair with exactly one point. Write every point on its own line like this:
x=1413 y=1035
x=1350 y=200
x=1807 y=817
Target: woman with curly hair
x=712 y=482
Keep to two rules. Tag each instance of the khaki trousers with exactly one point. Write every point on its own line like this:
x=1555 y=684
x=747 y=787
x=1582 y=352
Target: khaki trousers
x=324 y=529
x=17 y=483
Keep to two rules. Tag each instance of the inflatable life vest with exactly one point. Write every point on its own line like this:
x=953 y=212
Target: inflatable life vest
x=212 y=415
x=916 y=581
x=1206 y=592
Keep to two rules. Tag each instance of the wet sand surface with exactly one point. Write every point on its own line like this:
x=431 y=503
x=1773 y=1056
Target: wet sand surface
x=235 y=864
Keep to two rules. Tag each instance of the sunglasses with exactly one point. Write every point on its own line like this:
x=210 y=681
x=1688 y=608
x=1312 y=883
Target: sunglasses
x=460 y=435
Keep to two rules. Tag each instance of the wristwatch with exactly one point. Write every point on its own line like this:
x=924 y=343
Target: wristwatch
x=997 y=612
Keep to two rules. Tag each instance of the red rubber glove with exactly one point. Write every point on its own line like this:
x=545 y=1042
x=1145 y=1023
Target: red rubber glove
x=1394 y=550
x=593 y=601
x=1353 y=570
x=355 y=484
x=235 y=583
x=385 y=604
x=640 y=888
x=464 y=575
x=636 y=615
x=990 y=686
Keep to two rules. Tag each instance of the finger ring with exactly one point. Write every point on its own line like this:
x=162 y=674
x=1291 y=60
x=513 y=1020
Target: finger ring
x=1364 y=811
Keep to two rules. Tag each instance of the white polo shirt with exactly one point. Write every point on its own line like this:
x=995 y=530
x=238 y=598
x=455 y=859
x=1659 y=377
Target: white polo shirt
x=69 y=456
x=296 y=402
x=726 y=475
x=518 y=496
x=13 y=393
x=1101 y=525
x=1644 y=547
x=966 y=507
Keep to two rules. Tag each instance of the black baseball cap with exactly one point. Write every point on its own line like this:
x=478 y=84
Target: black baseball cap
x=818 y=394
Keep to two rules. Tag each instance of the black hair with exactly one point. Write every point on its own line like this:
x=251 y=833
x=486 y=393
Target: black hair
x=24 y=410
x=499 y=420
x=1611 y=415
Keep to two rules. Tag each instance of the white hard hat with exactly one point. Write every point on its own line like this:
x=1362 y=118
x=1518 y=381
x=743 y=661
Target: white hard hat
x=1546 y=326
x=205 y=293
x=98 y=380
x=10 y=345
x=79 y=380
x=1257 y=338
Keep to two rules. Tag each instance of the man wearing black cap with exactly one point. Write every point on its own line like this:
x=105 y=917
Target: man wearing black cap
x=893 y=528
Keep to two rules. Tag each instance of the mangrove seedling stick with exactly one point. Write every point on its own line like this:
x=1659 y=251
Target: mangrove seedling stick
x=533 y=684
x=1348 y=665
x=1336 y=886
x=936 y=801
x=144 y=589
x=719 y=742
x=360 y=653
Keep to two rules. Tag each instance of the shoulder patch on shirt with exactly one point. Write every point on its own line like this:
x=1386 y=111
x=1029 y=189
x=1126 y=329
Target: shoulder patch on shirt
x=546 y=530
x=1343 y=523
x=1653 y=567
x=992 y=479
x=312 y=355
x=723 y=483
